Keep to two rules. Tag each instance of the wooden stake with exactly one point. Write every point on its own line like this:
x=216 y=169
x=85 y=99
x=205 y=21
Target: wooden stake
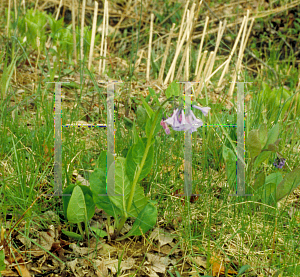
x=74 y=31
x=201 y=45
x=231 y=53
x=93 y=35
x=106 y=35
x=163 y=63
x=149 y=48
x=82 y=30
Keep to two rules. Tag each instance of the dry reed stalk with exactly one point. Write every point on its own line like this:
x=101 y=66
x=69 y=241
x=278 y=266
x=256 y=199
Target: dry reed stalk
x=102 y=39
x=240 y=55
x=8 y=17
x=202 y=82
x=219 y=37
x=93 y=35
x=82 y=30
x=212 y=74
x=185 y=53
x=180 y=35
x=203 y=58
x=178 y=51
x=106 y=34
x=186 y=69
x=231 y=53
x=35 y=6
x=201 y=45
x=163 y=63
x=149 y=48
x=74 y=31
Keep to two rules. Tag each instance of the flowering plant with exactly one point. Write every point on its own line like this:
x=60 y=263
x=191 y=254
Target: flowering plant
x=261 y=143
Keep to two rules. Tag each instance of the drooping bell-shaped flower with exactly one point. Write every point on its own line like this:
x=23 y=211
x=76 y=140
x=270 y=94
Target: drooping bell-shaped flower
x=204 y=110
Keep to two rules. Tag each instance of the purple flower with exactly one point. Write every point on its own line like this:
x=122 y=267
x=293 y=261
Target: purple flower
x=180 y=122
x=204 y=110
x=165 y=126
x=279 y=162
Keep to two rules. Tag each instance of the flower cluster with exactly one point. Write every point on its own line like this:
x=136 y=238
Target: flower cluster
x=180 y=122
x=279 y=162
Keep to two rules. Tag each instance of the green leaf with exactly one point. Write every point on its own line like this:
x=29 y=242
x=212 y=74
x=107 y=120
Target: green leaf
x=275 y=178
x=2 y=258
x=272 y=135
x=173 y=89
x=259 y=181
x=98 y=187
x=123 y=187
x=141 y=116
x=77 y=211
x=72 y=235
x=261 y=158
x=153 y=94
x=243 y=269
x=288 y=184
x=134 y=158
x=100 y=233
x=147 y=107
x=230 y=160
x=144 y=222
x=253 y=143
x=150 y=122
x=88 y=198
x=263 y=134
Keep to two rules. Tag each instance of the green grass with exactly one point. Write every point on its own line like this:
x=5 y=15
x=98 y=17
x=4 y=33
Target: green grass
x=234 y=227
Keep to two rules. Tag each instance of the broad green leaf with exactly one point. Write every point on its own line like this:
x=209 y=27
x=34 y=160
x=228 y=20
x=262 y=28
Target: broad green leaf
x=253 y=143
x=266 y=193
x=72 y=235
x=230 y=160
x=134 y=158
x=259 y=181
x=139 y=201
x=88 y=198
x=76 y=211
x=272 y=135
x=288 y=184
x=173 y=89
x=144 y=222
x=150 y=122
x=147 y=107
x=98 y=187
x=101 y=162
x=123 y=187
x=141 y=116
x=100 y=233
x=261 y=158
x=263 y=134
x=275 y=178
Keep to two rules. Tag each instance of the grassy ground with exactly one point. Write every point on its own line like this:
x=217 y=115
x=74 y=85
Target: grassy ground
x=214 y=235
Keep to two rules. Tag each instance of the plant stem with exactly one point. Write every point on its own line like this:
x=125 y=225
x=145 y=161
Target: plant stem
x=137 y=175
